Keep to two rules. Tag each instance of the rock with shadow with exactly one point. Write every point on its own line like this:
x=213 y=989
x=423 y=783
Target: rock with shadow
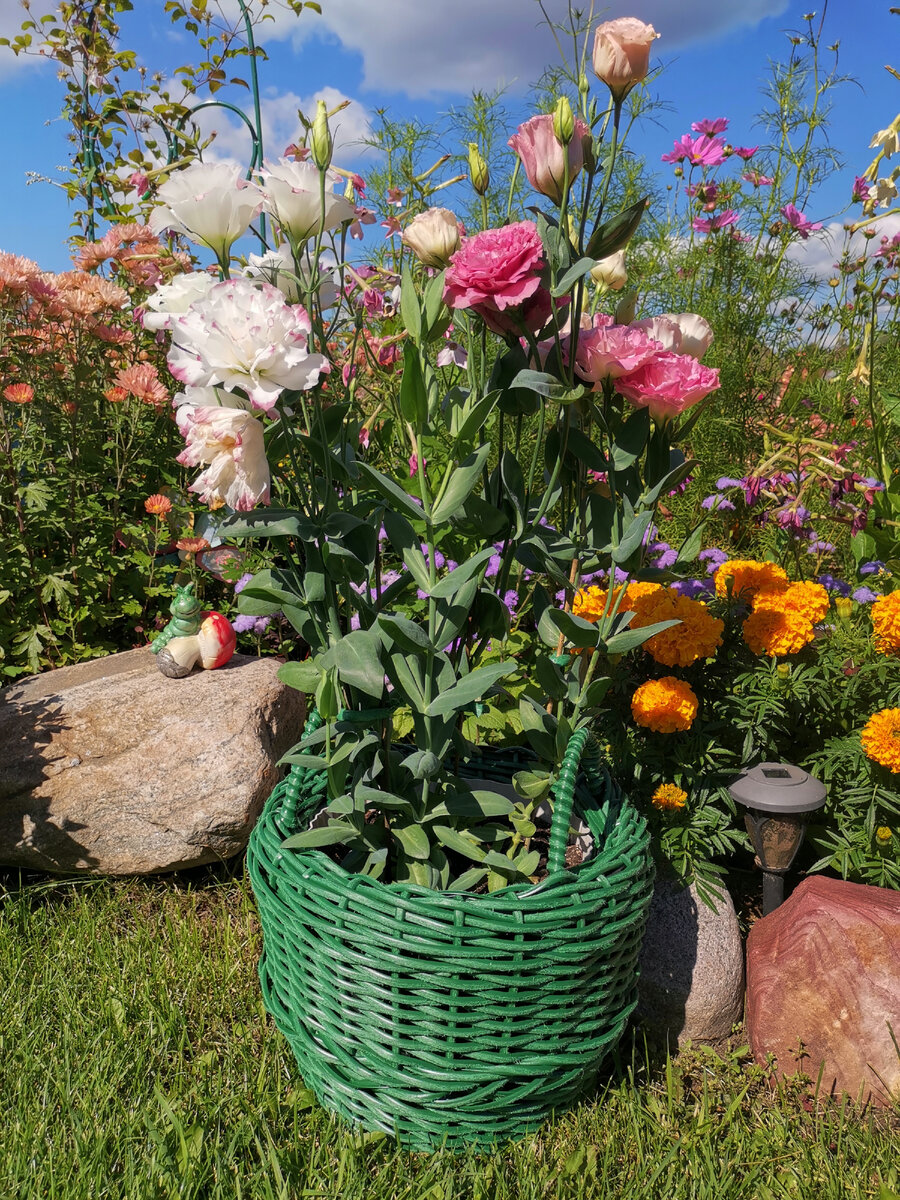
x=111 y=768
x=691 y=985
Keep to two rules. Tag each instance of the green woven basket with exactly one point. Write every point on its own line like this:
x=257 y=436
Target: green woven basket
x=449 y=1018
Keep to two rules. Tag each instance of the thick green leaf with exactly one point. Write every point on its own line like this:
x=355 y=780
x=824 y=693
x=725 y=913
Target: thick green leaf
x=304 y=676
x=470 y=687
x=404 y=633
x=325 y=835
x=413 y=397
x=632 y=537
x=563 y=286
x=357 y=661
x=270 y=522
x=450 y=584
x=390 y=491
x=462 y=483
x=410 y=312
x=452 y=839
x=413 y=839
x=619 y=643
x=577 y=630
x=691 y=546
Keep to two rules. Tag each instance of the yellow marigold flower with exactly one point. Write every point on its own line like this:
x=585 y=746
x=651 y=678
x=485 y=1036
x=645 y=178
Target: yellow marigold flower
x=669 y=796
x=883 y=835
x=776 y=631
x=886 y=623
x=666 y=705
x=881 y=738
x=749 y=577
x=698 y=635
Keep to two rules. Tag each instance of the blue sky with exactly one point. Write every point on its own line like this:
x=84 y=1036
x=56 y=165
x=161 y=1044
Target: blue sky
x=417 y=57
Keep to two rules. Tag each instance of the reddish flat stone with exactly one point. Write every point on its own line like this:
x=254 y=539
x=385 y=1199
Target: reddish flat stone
x=824 y=970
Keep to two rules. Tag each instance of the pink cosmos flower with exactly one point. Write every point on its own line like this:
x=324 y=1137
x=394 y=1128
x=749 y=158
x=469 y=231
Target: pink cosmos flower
x=798 y=221
x=610 y=351
x=668 y=384
x=718 y=125
x=861 y=190
x=544 y=158
x=757 y=179
x=720 y=221
x=496 y=270
x=700 y=152
x=744 y=152
x=230 y=442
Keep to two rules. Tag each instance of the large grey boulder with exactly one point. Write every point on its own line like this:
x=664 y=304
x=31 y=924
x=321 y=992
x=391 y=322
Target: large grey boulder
x=111 y=768
x=691 y=985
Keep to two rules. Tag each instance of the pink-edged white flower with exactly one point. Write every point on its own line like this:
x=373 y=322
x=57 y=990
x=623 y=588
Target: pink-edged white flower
x=210 y=397
x=668 y=384
x=211 y=203
x=292 y=195
x=229 y=442
x=679 y=333
x=174 y=298
x=244 y=336
x=277 y=267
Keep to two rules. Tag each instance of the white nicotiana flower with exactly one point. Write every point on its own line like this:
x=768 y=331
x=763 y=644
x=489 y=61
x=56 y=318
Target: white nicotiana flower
x=230 y=443
x=244 y=336
x=884 y=191
x=173 y=298
x=211 y=203
x=886 y=139
x=293 y=197
x=277 y=267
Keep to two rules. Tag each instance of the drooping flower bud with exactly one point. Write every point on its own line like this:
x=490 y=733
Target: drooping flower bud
x=478 y=170
x=611 y=272
x=563 y=121
x=321 y=145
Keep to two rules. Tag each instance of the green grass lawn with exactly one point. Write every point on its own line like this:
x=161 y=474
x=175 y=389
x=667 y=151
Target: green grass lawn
x=136 y=1061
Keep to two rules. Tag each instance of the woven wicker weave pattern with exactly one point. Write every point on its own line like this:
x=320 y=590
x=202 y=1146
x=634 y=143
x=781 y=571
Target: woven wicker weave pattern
x=449 y=1017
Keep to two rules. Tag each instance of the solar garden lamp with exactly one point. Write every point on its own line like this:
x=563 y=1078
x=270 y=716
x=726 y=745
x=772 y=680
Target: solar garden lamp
x=779 y=798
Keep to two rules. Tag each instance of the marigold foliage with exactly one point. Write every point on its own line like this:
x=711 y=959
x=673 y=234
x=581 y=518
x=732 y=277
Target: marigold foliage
x=881 y=738
x=886 y=623
x=666 y=705
x=668 y=796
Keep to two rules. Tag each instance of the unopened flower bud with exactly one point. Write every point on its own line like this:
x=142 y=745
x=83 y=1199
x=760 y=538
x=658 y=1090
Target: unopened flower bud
x=320 y=142
x=844 y=607
x=433 y=236
x=563 y=121
x=625 y=309
x=883 y=835
x=622 y=54
x=833 y=283
x=478 y=170
x=611 y=272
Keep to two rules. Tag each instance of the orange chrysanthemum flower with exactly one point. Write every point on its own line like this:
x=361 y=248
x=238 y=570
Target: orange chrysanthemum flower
x=881 y=738
x=192 y=545
x=158 y=505
x=668 y=796
x=748 y=578
x=115 y=395
x=19 y=393
x=142 y=381
x=666 y=705
x=886 y=623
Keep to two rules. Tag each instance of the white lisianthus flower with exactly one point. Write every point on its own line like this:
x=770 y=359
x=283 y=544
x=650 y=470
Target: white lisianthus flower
x=277 y=267
x=244 y=336
x=229 y=441
x=211 y=203
x=611 y=272
x=210 y=397
x=175 y=297
x=292 y=196
x=679 y=333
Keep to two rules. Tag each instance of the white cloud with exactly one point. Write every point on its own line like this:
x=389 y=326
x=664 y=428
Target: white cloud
x=424 y=47
x=281 y=126
x=12 y=14
x=819 y=253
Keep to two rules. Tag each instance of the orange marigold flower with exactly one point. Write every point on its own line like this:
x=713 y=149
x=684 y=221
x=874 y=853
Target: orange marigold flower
x=748 y=577
x=666 y=705
x=774 y=631
x=19 y=393
x=158 y=505
x=804 y=599
x=698 y=634
x=669 y=796
x=881 y=738
x=883 y=835
x=886 y=623
x=590 y=603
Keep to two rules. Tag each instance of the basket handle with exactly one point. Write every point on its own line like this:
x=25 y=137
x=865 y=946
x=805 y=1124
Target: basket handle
x=581 y=745
x=289 y=793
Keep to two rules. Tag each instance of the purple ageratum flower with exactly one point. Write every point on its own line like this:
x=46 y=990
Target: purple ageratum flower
x=665 y=555
x=832 y=584
x=818 y=547
x=716 y=503
x=493 y=566
x=865 y=595
x=713 y=557
x=242 y=583
x=244 y=623
x=724 y=481
x=872 y=568
x=511 y=600
x=693 y=588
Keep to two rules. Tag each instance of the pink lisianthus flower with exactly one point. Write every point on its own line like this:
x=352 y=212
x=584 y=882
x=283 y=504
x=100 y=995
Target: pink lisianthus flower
x=544 y=157
x=720 y=221
x=798 y=221
x=680 y=333
x=714 y=126
x=668 y=384
x=496 y=271
x=532 y=316
x=243 y=335
x=610 y=351
x=230 y=442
